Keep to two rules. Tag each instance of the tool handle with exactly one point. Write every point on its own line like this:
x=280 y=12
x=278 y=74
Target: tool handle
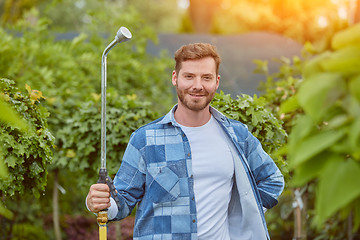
x=102 y=175
x=113 y=192
x=104 y=178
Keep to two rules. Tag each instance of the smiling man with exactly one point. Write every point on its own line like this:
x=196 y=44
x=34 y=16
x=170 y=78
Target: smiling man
x=194 y=173
x=196 y=81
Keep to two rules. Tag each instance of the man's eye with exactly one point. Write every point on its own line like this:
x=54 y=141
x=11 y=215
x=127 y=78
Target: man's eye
x=188 y=76
x=207 y=78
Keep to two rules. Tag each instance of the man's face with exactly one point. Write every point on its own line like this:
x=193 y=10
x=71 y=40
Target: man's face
x=196 y=83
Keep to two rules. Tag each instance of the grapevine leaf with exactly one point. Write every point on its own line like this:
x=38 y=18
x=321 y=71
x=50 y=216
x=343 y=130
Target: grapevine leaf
x=309 y=170
x=338 y=186
x=313 y=145
x=317 y=100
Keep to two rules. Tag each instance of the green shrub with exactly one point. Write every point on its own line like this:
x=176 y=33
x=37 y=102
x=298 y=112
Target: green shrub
x=68 y=73
x=261 y=122
x=25 y=154
x=324 y=143
x=81 y=140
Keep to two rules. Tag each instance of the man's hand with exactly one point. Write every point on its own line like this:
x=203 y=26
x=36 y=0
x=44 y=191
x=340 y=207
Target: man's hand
x=98 y=197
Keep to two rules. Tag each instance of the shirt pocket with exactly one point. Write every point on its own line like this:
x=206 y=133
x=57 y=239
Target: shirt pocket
x=163 y=184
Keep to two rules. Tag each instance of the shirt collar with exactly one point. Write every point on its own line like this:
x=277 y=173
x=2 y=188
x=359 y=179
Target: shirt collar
x=170 y=118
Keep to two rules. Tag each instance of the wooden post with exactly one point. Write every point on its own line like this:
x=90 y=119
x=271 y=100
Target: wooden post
x=350 y=226
x=56 y=219
x=118 y=230
x=299 y=214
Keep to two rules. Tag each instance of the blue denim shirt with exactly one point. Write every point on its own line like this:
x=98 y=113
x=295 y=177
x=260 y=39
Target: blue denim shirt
x=156 y=174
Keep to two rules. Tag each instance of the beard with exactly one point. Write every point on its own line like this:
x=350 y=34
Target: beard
x=194 y=104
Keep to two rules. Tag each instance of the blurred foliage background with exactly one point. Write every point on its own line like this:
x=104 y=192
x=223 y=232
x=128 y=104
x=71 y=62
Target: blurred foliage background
x=307 y=116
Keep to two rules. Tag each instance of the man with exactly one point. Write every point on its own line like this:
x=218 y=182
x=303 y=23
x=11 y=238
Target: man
x=194 y=173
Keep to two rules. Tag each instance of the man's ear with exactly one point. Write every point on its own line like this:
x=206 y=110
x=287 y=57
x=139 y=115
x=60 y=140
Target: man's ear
x=217 y=81
x=174 y=77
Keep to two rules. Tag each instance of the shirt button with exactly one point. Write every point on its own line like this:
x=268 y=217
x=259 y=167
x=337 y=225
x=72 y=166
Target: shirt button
x=188 y=154
x=193 y=198
x=193 y=220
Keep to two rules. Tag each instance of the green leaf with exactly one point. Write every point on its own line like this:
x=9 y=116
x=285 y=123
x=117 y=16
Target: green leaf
x=36 y=193
x=345 y=61
x=313 y=145
x=256 y=117
x=5 y=212
x=314 y=65
x=78 y=40
x=291 y=104
x=21 y=149
x=261 y=66
x=36 y=169
x=338 y=186
x=354 y=135
x=354 y=87
x=319 y=92
x=309 y=170
x=303 y=126
x=11 y=161
x=3 y=168
x=8 y=115
x=338 y=121
x=346 y=37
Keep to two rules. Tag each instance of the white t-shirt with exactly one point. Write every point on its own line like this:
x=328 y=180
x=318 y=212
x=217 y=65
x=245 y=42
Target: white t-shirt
x=213 y=170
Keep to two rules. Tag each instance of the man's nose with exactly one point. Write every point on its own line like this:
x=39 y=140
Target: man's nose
x=197 y=84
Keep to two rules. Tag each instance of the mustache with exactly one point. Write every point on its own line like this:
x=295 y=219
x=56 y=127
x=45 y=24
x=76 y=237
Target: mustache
x=201 y=92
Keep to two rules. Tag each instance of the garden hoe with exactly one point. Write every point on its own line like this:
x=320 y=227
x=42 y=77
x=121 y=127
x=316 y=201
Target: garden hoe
x=121 y=36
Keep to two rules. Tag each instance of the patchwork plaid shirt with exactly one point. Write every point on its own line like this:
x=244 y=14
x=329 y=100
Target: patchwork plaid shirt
x=156 y=174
